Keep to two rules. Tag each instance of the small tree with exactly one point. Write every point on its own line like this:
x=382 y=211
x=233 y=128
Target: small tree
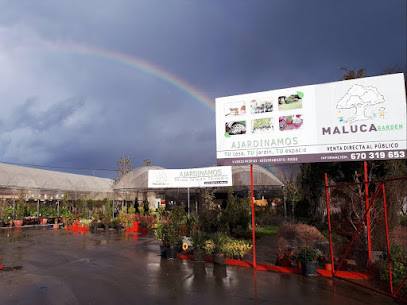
x=20 y=210
x=125 y=166
x=108 y=208
x=352 y=74
x=292 y=194
x=237 y=213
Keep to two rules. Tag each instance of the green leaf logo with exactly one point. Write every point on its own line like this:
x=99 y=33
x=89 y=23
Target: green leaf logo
x=227 y=135
x=300 y=94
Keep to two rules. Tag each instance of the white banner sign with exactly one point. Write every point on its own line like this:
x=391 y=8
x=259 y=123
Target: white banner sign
x=360 y=119
x=193 y=177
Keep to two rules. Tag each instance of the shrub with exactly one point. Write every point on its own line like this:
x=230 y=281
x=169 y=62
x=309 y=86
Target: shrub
x=308 y=254
x=237 y=248
x=108 y=207
x=160 y=231
x=219 y=240
x=85 y=222
x=20 y=208
x=190 y=223
x=161 y=212
x=209 y=246
x=398 y=266
x=126 y=220
x=117 y=222
x=237 y=213
x=7 y=214
x=46 y=210
x=131 y=210
x=144 y=221
x=297 y=235
x=198 y=239
x=173 y=234
x=106 y=221
x=94 y=222
x=208 y=220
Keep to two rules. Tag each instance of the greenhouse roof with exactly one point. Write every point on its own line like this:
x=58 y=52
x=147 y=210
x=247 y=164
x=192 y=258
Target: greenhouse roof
x=26 y=178
x=137 y=179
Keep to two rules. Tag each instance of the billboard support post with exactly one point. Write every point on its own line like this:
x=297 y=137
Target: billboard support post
x=369 y=240
x=188 y=202
x=331 y=251
x=253 y=222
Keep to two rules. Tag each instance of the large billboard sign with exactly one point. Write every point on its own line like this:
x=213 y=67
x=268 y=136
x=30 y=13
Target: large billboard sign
x=192 y=177
x=360 y=119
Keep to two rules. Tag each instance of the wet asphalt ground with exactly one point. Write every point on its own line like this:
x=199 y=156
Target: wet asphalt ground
x=61 y=267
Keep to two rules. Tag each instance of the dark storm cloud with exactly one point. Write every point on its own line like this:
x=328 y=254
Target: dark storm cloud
x=28 y=115
x=68 y=108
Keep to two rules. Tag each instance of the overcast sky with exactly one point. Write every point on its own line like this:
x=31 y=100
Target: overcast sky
x=74 y=91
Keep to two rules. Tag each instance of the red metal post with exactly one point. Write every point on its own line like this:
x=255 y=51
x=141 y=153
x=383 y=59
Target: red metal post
x=387 y=238
x=253 y=222
x=369 y=241
x=329 y=223
x=401 y=286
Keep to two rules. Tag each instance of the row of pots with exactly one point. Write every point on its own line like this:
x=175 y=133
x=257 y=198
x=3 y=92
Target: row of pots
x=199 y=255
x=19 y=223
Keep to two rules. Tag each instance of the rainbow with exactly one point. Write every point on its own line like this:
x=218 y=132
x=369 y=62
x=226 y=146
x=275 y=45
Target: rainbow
x=276 y=170
x=147 y=67
x=137 y=63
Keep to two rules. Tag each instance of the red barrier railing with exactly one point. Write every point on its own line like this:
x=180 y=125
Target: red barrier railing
x=366 y=219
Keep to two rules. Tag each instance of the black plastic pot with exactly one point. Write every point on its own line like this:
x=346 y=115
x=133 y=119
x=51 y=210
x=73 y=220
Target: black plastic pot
x=309 y=268
x=171 y=253
x=106 y=228
x=219 y=258
x=163 y=251
x=199 y=255
x=1 y=223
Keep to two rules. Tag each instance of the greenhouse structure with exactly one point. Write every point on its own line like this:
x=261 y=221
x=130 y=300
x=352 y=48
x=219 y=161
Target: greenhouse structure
x=132 y=189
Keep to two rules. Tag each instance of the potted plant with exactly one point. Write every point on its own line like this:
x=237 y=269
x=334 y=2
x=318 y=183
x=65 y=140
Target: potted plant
x=289 y=119
x=117 y=223
x=309 y=260
x=45 y=212
x=18 y=222
x=3 y=220
x=219 y=240
x=143 y=224
x=161 y=233
x=66 y=215
x=8 y=216
x=94 y=224
x=198 y=240
x=173 y=239
x=3 y=216
x=106 y=222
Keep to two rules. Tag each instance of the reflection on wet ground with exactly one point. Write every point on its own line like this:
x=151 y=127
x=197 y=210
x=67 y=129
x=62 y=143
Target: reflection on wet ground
x=64 y=267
